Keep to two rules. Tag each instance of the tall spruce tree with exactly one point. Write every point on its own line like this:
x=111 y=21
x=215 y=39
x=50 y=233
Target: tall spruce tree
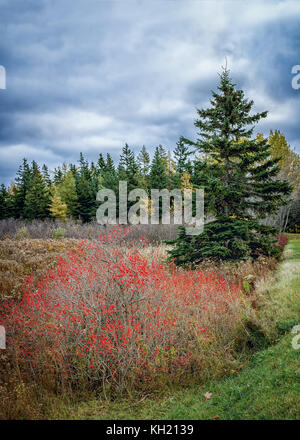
x=182 y=161
x=46 y=175
x=4 y=210
x=101 y=163
x=109 y=174
x=85 y=190
x=128 y=169
x=37 y=200
x=239 y=182
x=20 y=189
x=143 y=160
x=158 y=177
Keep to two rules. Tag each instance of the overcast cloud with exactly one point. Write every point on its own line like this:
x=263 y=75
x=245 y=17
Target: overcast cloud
x=90 y=75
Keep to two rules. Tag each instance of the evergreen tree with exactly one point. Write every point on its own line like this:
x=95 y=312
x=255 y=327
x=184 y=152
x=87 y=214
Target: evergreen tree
x=128 y=168
x=158 y=178
x=4 y=210
x=46 y=175
x=101 y=163
x=128 y=171
x=37 y=200
x=109 y=174
x=239 y=182
x=86 y=189
x=58 y=176
x=182 y=162
x=143 y=160
x=20 y=189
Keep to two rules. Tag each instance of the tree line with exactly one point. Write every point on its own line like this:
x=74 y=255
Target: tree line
x=219 y=161
x=70 y=190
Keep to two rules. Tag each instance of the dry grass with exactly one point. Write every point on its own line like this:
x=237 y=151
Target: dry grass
x=22 y=258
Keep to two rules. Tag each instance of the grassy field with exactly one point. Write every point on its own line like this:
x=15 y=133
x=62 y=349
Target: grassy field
x=268 y=387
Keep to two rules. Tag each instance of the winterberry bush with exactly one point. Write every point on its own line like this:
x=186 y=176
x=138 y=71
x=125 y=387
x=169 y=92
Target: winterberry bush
x=108 y=316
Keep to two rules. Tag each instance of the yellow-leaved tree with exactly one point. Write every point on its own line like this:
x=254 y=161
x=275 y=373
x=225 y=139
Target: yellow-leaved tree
x=58 y=208
x=288 y=216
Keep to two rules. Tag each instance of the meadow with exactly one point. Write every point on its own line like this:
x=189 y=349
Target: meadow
x=110 y=318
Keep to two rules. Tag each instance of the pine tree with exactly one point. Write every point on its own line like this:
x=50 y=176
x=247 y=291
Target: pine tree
x=58 y=175
x=158 y=177
x=46 y=175
x=37 y=200
x=128 y=168
x=239 y=182
x=86 y=191
x=109 y=174
x=101 y=163
x=58 y=208
x=182 y=162
x=4 y=210
x=20 y=189
x=143 y=160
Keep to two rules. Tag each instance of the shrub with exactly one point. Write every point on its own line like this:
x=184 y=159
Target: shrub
x=109 y=316
x=59 y=233
x=43 y=229
x=282 y=241
x=22 y=233
x=20 y=258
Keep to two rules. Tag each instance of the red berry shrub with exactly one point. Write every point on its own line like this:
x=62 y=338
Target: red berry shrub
x=282 y=240
x=109 y=315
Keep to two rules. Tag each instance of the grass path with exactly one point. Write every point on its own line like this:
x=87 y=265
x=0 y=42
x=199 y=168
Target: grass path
x=268 y=388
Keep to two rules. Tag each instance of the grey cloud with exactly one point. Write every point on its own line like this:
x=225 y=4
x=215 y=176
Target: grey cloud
x=90 y=76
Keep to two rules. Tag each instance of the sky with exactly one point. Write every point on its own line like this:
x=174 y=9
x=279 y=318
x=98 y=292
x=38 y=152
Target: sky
x=89 y=75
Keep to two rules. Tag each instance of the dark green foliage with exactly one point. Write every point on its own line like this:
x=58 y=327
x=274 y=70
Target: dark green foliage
x=4 y=200
x=20 y=189
x=37 y=200
x=128 y=169
x=46 y=175
x=143 y=161
x=181 y=155
x=158 y=177
x=58 y=176
x=238 y=178
x=101 y=163
x=87 y=185
x=226 y=239
x=109 y=175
